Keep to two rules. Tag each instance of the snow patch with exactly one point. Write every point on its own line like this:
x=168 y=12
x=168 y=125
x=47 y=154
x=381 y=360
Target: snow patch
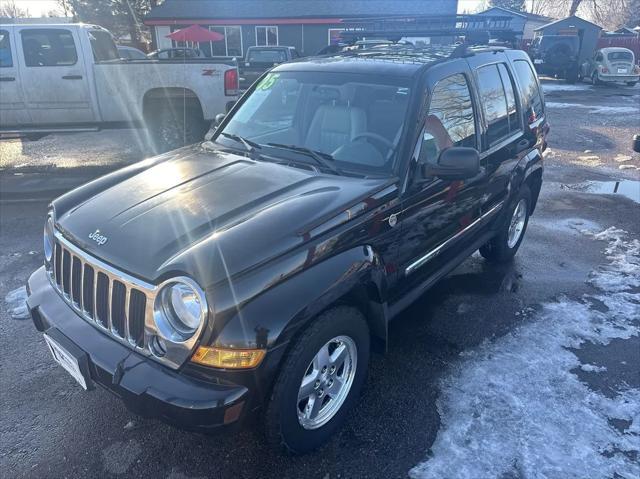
x=592 y=368
x=594 y=108
x=16 y=303
x=512 y=407
x=549 y=87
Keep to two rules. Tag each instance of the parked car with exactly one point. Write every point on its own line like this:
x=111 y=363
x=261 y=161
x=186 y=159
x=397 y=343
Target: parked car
x=611 y=65
x=557 y=55
x=69 y=78
x=176 y=54
x=260 y=59
x=252 y=274
x=130 y=53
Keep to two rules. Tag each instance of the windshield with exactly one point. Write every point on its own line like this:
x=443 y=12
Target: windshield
x=620 y=56
x=353 y=118
x=267 y=56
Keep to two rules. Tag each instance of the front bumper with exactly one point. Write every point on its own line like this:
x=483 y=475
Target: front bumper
x=147 y=388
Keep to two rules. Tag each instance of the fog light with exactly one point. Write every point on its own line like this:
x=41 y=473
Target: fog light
x=228 y=358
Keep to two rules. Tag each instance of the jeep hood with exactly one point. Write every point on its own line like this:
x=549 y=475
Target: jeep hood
x=203 y=213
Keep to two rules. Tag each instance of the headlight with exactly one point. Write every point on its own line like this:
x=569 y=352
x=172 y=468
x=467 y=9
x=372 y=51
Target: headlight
x=179 y=310
x=48 y=239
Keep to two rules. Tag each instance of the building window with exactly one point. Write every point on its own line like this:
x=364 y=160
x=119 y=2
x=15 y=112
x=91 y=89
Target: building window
x=266 y=36
x=334 y=35
x=231 y=46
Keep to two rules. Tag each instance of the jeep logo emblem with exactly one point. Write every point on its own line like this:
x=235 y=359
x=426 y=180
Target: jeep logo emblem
x=98 y=238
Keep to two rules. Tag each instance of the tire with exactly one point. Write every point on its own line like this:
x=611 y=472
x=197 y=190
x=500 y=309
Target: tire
x=502 y=248
x=283 y=427
x=594 y=79
x=173 y=126
x=572 y=76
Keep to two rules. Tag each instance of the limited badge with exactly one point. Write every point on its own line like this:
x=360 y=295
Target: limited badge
x=393 y=220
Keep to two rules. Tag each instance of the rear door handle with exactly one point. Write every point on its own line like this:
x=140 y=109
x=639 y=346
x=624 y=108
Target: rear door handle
x=7 y=79
x=72 y=77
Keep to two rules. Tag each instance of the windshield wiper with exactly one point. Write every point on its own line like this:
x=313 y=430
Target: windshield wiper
x=250 y=146
x=321 y=159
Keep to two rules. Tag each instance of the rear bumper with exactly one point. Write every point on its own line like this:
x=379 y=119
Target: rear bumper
x=618 y=78
x=147 y=388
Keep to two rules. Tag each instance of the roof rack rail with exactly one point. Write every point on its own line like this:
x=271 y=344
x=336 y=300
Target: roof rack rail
x=476 y=29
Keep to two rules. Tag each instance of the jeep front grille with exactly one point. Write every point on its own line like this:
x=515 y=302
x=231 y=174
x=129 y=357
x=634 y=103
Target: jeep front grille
x=113 y=301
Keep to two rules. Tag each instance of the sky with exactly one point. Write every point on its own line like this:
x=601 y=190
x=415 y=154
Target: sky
x=38 y=8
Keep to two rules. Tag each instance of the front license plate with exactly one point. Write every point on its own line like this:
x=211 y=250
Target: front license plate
x=66 y=360
x=538 y=61
x=622 y=70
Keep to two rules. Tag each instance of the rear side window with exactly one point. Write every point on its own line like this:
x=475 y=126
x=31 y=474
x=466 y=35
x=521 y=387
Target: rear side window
x=102 y=45
x=530 y=90
x=494 y=102
x=48 y=47
x=267 y=56
x=6 y=60
x=450 y=121
x=512 y=107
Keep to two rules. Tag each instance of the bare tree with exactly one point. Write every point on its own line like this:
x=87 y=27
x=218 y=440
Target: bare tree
x=9 y=9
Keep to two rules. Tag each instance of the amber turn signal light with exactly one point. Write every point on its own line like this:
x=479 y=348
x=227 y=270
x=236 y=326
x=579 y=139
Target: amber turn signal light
x=228 y=358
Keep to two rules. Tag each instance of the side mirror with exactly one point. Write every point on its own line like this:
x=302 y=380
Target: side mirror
x=636 y=143
x=455 y=163
x=219 y=119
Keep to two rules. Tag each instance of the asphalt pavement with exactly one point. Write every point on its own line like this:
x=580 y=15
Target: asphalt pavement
x=51 y=428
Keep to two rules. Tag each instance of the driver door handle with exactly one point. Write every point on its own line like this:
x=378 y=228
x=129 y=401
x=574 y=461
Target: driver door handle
x=72 y=77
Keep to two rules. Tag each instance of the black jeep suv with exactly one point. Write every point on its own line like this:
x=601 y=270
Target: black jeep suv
x=252 y=274
x=557 y=55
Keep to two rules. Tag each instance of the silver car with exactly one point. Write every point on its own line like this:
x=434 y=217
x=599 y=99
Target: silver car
x=612 y=64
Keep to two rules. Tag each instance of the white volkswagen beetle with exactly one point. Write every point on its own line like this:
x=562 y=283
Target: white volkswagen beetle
x=612 y=64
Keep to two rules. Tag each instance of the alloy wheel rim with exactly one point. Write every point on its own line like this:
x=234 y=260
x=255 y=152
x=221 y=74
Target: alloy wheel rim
x=516 y=226
x=326 y=382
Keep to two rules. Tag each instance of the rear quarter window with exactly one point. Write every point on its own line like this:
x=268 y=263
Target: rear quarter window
x=6 y=60
x=533 y=105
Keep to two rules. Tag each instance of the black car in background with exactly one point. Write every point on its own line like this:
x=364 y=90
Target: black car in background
x=254 y=273
x=260 y=59
x=557 y=55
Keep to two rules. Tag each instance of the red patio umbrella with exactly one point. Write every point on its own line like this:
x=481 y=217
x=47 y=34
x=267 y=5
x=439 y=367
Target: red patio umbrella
x=195 y=33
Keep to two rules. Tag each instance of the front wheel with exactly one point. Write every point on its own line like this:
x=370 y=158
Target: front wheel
x=503 y=247
x=319 y=382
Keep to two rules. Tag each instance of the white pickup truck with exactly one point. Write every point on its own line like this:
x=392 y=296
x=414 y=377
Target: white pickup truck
x=66 y=78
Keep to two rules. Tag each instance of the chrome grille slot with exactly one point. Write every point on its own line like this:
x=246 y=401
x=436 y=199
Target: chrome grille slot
x=114 y=302
x=66 y=272
x=87 y=291
x=137 y=309
x=119 y=292
x=102 y=299
x=76 y=281
x=58 y=264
